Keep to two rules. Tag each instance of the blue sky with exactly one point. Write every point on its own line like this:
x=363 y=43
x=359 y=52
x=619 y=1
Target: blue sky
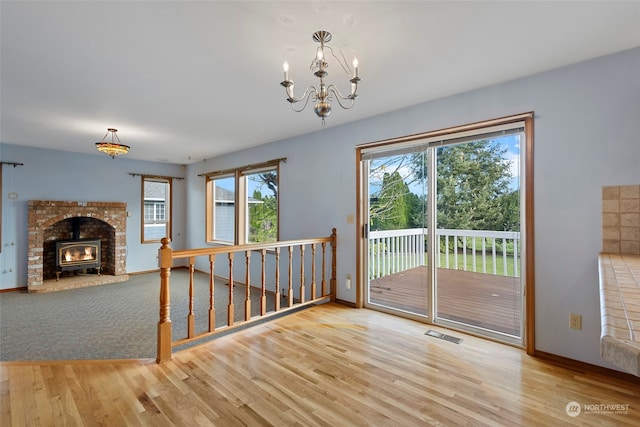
x=510 y=142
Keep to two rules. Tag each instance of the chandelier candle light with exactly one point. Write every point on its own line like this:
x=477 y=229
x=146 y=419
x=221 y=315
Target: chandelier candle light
x=112 y=148
x=325 y=93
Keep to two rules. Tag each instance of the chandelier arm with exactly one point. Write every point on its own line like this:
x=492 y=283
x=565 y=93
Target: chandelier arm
x=305 y=97
x=339 y=97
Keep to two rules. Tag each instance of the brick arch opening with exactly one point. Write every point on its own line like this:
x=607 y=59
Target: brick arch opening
x=49 y=221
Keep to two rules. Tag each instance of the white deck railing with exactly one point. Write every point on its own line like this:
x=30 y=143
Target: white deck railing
x=491 y=252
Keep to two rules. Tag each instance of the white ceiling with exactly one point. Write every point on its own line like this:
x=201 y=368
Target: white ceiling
x=188 y=80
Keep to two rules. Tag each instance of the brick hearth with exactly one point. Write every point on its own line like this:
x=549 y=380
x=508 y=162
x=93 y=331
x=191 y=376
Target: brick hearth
x=45 y=219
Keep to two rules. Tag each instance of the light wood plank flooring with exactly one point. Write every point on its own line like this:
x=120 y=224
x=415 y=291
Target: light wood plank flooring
x=329 y=365
x=483 y=300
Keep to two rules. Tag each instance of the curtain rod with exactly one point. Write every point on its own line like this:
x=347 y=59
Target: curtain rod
x=14 y=164
x=155 y=176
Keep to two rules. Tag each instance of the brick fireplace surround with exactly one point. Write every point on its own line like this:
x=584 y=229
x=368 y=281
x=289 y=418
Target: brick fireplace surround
x=44 y=219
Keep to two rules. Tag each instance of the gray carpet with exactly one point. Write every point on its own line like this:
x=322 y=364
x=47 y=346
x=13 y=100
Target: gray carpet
x=113 y=321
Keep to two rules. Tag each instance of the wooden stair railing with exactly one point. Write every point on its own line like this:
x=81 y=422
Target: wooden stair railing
x=166 y=257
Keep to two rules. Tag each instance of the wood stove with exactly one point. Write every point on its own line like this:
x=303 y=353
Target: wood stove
x=77 y=254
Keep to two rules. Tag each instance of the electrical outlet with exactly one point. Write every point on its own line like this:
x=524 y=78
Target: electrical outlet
x=575 y=321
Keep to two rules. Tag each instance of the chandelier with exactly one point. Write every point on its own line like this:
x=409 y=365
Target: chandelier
x=323 y=94
x=112 y=148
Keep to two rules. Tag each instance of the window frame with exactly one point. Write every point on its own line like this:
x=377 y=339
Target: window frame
x=241 y=195
x=168 y=207
x=210 y=216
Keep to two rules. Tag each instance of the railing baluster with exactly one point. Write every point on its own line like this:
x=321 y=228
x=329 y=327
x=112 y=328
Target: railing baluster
x=408 y=240
x=405 y=256
x=334 y=259
x=302 y=289
x=394 y=260
x=290 y=283
x=263 y=295
x=384 y=257
x=473 y=253
x=504 y=256
x=515 y=258
x=412 y=252
x=324 y=270
x=212 y=290
x=402 y=253
x=455 y=252
x=378 y=258
x=230 y=309
x=493 y=253
x=247 y=281
x=484 y=254
x=191 y=318
x=277 y=295
x=446 y=239
x=464 y=253
x=313 y=271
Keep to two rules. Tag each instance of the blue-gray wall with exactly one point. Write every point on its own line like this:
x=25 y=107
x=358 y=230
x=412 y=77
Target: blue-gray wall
x=587 y=122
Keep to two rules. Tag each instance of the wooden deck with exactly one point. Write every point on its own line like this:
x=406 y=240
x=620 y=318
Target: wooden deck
x=482 y=300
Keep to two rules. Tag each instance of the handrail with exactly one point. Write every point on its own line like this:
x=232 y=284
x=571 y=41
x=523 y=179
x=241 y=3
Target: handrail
x=306 y=295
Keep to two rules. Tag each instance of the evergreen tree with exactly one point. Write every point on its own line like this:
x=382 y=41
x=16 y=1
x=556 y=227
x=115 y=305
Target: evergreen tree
x=473 y=187
x=391 y=210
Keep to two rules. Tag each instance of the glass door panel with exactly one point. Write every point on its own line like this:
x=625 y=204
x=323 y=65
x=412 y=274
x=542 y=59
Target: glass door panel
x=397 y=234
x=478 y=276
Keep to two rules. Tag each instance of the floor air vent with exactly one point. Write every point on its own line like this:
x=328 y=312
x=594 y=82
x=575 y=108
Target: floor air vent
x=442 y=336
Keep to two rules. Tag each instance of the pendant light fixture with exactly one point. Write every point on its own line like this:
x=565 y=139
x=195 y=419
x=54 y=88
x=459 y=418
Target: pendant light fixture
x=113 y=147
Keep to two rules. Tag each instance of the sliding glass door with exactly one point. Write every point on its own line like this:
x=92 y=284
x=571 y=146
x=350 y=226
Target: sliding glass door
x=443 y=239
x=397 y=246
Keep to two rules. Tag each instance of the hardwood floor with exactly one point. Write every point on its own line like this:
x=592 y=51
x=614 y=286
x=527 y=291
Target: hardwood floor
x=484 y=300
x=328 y=365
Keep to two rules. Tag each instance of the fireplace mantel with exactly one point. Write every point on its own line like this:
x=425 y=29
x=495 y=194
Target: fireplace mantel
x=43 y=214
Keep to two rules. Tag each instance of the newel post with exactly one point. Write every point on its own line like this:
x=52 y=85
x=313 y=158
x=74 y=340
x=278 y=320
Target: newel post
x=165 y=261
x=333 y=281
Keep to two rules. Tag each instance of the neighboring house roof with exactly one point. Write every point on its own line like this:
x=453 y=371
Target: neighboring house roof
x=224 y=196
x=227 y=196
x=155 y=190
